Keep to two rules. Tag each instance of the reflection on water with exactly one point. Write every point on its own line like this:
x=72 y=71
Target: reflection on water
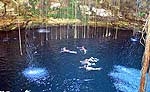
x=43 y=31
x=35 y=74
x=127 y=79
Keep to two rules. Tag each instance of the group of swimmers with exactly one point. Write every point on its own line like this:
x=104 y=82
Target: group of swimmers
x=87 y=63
x=65 y=50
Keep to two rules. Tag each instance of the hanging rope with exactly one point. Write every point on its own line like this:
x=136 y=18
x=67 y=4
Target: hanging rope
x=19 y=33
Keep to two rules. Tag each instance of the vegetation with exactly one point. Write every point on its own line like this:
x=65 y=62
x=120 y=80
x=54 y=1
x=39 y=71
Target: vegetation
x=131 y=12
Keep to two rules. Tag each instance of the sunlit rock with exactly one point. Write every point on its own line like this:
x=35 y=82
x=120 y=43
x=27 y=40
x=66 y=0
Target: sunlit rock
x=55 y=5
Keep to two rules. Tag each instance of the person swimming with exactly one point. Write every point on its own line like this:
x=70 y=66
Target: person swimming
x=87 y=62
x=92 y=59
x=92 y=69
x=88 y=68
x=64 y=49
x=82 y=49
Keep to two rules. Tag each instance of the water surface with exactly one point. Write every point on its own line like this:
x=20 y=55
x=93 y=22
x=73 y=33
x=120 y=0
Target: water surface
x=43 y=68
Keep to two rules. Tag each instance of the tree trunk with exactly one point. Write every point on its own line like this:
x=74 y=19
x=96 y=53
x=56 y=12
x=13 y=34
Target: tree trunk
x=146 y=59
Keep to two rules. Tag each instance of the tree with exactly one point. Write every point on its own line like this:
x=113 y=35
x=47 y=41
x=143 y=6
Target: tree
x=146 y=59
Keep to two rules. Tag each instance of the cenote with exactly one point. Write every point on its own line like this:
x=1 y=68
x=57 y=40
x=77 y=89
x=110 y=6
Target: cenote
x=43 y=68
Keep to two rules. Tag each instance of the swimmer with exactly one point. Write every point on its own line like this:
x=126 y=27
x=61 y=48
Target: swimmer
x=90 y=68
x=86 y=62
x=64 y=49
x=93 y=59
x=68 y=51
x=93 y=69
x=83 y=49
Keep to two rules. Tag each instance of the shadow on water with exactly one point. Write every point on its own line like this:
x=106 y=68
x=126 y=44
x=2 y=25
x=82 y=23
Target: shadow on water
x=43 y=68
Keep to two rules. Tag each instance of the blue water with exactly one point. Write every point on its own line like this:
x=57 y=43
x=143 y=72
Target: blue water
x=127 y=79
x=44 y=69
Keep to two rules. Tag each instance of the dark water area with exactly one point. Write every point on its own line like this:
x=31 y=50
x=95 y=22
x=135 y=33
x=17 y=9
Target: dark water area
x=42 y=68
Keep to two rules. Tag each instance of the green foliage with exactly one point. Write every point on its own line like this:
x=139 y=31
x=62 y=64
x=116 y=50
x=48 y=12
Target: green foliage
x=142 y=14
x=66 y=12
x=26 y=16
x=33 y=3
x=71 y=12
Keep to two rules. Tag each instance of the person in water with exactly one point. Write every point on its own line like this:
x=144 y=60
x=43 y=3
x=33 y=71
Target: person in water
x=64 y=49
x=93 y=59
x=88 y=68
x=87 y=62
x=83 y=49
x=68 y=51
